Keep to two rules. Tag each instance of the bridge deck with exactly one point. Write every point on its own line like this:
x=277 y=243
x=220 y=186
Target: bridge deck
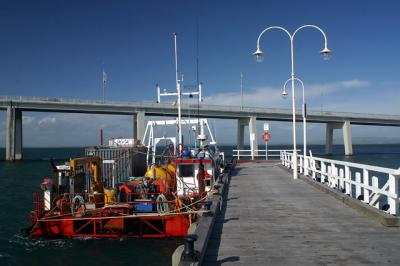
x=271 y=219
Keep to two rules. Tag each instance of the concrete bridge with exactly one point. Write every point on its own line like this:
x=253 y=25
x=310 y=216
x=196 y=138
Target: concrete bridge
x=246 y=116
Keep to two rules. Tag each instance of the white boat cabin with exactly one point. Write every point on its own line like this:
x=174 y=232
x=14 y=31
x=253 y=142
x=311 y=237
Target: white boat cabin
x=187 y=171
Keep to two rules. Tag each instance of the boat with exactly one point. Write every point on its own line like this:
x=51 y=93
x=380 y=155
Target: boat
x=163 y=203
x=78 y=201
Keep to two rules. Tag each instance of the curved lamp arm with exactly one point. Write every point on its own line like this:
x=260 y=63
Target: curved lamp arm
x=284 y=93
x=270 y=28
x=297 y=79
x=325 y=50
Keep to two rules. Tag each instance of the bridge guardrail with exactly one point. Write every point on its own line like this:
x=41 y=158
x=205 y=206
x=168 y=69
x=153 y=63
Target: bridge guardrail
x=261 y=154
x=373 y=185
x=202 y=106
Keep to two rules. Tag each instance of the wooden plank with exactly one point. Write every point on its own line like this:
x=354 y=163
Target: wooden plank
x=270 y=219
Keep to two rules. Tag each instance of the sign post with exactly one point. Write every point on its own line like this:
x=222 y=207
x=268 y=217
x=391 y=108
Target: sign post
x=266 y=136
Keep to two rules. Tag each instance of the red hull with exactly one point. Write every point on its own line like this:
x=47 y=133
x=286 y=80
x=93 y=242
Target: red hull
x=129 y=226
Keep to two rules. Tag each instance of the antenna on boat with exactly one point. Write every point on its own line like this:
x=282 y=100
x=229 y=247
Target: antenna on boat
x=179 y=94
x=198 y=78
x=178 y=91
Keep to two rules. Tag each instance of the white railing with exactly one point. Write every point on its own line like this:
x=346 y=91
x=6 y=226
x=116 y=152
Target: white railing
x=261 y=154
x=374 y=185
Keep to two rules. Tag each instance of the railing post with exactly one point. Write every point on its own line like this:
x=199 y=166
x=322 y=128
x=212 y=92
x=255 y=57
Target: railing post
x=341 y=180
x=287 y=160
x=323 y=172
x=358 y=185
x=288 y=163
x=284 y=158
x=347 y=175
x=329 y=175
x=375 y=184
x=334 y=176
x=292 y=161
x=307 y=164
x=301 y=164
x=313 y=168
x=238 y=154
x=393 y=189
x=366 y=185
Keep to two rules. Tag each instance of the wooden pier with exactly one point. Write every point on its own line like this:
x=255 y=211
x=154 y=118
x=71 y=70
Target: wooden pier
x=270 y=219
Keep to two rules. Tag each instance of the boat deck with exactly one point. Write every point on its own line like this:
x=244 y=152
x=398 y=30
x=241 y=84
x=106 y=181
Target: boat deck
x=271 y=219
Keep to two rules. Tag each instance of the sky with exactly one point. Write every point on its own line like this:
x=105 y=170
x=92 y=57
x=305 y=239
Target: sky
x=59 y=49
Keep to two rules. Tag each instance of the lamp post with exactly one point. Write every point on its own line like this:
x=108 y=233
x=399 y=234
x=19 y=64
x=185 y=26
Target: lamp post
x=304 y=114
x=259 y=56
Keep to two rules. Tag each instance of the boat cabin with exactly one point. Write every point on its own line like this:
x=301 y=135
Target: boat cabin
x=188 y=176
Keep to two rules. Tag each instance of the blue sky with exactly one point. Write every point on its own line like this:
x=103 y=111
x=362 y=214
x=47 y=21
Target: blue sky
x=58 y=49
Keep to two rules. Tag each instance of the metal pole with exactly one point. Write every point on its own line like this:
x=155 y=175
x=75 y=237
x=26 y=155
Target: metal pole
x=266 y=150
x=104 y=83
x=304 y=114
x=113 y=175
x=305 y=160
x=294 y=112
x=194 y=133
x=241 y=90
x=178 y=89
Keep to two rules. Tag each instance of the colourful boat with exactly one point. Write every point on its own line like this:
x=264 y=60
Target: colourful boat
x=78 y=201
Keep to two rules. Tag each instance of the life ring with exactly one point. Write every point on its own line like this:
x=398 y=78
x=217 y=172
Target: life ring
x=78 y=203
x=266 y=136
x=162 y=204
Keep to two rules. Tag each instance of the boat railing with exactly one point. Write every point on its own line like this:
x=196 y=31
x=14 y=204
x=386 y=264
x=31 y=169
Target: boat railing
x=258 y=154
x=99 y=200
x=38 y=206
x=373 y=185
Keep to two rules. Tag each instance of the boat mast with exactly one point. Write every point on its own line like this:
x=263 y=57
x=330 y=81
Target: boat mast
x=178 y=94
x=178 y=91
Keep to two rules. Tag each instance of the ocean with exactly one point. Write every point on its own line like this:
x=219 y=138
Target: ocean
x=20 y=179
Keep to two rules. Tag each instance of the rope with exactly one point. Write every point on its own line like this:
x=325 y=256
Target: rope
x=122 y=215
x=162 y=204
x=170 y=212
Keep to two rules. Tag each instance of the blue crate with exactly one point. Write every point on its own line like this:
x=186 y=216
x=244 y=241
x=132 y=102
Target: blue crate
x=144 y=206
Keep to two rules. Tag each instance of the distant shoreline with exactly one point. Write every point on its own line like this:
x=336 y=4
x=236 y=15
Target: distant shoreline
x=221 y=145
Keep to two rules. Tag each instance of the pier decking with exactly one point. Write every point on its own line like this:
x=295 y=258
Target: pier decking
x=271 y=219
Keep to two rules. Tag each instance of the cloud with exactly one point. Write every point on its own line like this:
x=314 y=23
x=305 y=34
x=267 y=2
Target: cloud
x=271 y=97
x=27 y=120
x=327 y=88
x=47 y=120
x=354 y=83
x=260 y=97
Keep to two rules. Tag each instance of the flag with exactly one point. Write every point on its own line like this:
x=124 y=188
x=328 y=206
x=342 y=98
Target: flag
x=104 y=77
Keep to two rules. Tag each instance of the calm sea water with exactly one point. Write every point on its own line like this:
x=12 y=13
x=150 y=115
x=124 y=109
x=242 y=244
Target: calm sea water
x=20 y=179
